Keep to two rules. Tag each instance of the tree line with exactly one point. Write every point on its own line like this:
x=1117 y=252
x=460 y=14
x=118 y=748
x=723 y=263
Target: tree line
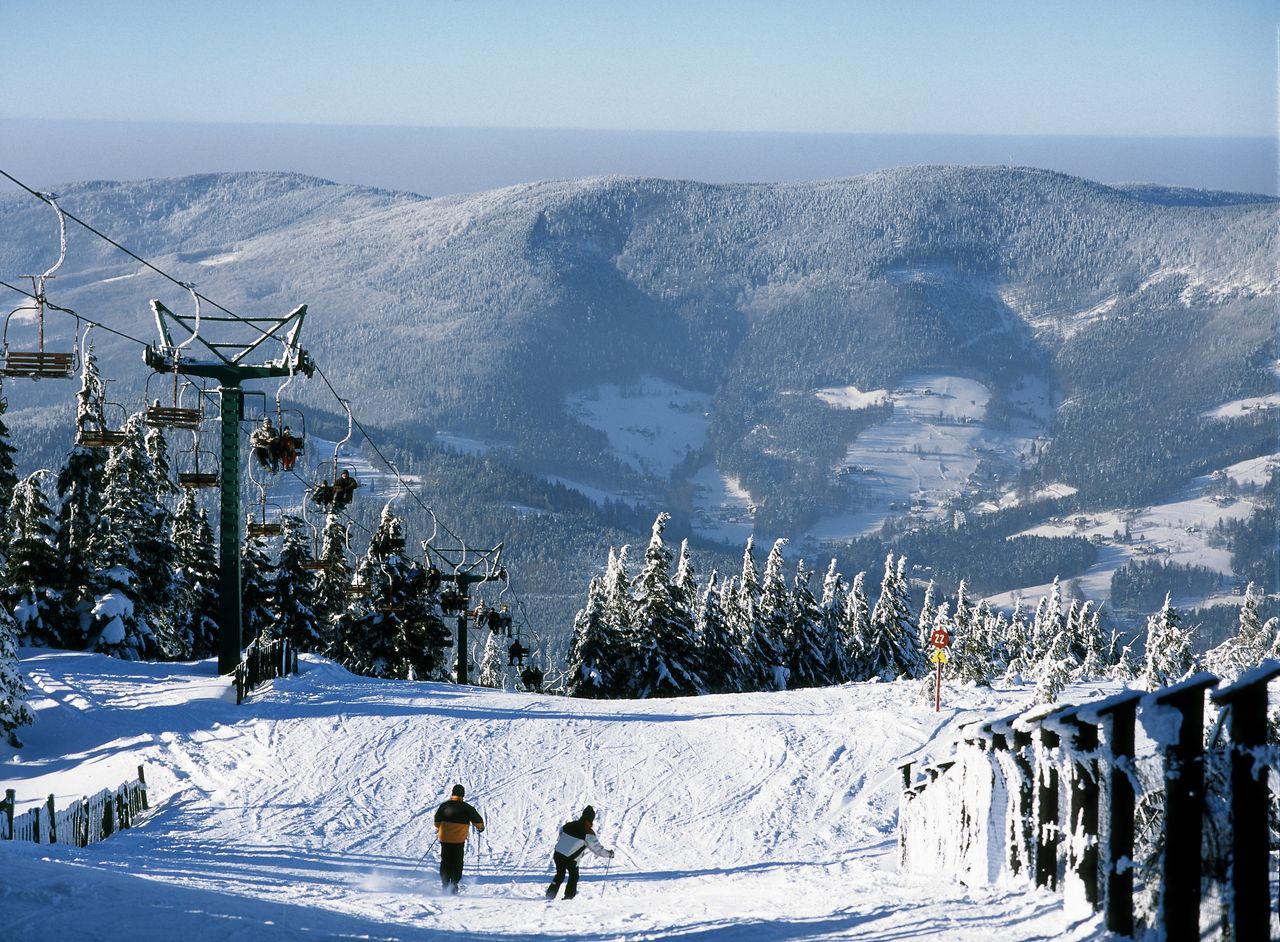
x=662 y=633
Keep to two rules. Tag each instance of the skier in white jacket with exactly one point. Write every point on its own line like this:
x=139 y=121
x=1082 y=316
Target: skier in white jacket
x=575 y=837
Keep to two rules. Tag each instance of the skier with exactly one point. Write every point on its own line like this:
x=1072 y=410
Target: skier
x=344 y=488
x=516 y=653
x=323 y=494
x=287 y=447
x=265 y=442
x=575 y=837
x=453 y=823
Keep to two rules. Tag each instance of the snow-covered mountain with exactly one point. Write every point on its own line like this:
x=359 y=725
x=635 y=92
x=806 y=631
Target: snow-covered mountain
x=306 y=812
x=748 y=356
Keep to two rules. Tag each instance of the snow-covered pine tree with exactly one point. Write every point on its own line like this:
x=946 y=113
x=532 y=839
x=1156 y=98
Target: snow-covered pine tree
x=894 y=648
x=766 y=657
x=1056 y=668
x=806 y=639
x=685 y=581
x=395 y=632
x=746 y=614
x=257 y=590
x=1017 y=646
x=14 y=711
x=664 y=660
x=1088 y=638
x=855 y=629
x=593 y=648
x=618 y=610
x=493 y=665
x=195 y=621
x=925 y=621
x=122 y=546
x=1253 y=642
x=31 y=567
x=331 y=585
x=971 y=647
x=1047 y=622
x=161 y=470
x=831 y=607
x=295 y=618
x=720 y=652
x=1123 y=667
x=80 y=489
x=1168 y=655
x=8 y=472
x=736 y=634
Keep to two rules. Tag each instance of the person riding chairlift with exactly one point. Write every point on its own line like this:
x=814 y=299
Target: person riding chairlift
x=266 y=445
x=323 y=494
x=287 y=446
x=344 y=488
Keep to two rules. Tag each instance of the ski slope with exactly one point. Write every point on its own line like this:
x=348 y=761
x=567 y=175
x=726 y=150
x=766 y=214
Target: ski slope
x=305 y=813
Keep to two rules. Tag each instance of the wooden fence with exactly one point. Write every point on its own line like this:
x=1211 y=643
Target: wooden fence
x=81 y=823
x=1071 y=799
x=263 y=661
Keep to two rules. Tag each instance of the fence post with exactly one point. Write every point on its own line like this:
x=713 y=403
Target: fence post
x=1082 y=802
x=10 y=800
x=142 y=780
x=1250 y=902
x=1184 y=803
x=905 y=770
x=108 y=817
x=53 y=820
x=1019 y=865
x=1117 y=716
x=1048 y=834
x=83 y=836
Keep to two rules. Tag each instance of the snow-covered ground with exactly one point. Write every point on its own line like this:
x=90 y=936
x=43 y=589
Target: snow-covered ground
x=1178 y=531
x=305 y=813
x=926 y=452
x=722 y=508
x=652 y=425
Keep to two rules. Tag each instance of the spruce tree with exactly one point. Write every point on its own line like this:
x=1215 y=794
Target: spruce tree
x=927 y=615
x=195 y=622
x=894 y=648
x=14 y=711
x=831 y=610
x=257 y=590
x=765 y=652
x=972 y=654
x=1017 y=646
x=685 y=580
x=8 y=472
x=855 y=629
x=31 y=567
x=121 y=547
x=736 y=635
x=1056 y=668
x=295 y=619
x=618 y=611
x=493 y=668
x=1168 y=655
x=720 y=650
x=332 y=584
x=665 y=654
x=593 y=648
x=1253 y=642
x=806 y=639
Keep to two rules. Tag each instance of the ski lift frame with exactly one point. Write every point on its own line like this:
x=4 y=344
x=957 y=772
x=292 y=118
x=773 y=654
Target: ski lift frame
x=40 y=363
x=175 y=416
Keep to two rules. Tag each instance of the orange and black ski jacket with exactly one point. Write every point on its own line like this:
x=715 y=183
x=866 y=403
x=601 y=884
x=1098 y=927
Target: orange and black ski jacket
x=454 y=819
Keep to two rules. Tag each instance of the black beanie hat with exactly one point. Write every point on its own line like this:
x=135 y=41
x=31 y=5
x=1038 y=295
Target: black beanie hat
x=459 y=790
x=588 y=813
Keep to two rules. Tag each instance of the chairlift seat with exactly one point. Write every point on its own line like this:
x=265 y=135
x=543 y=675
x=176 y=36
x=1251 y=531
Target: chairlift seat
x=317 y=565
x=198 y=478
x=265 y=529
x=99 y=438
x=453 y=601
x=160 y=416
x=36 y=364
x=356 y=590
x=388 y=608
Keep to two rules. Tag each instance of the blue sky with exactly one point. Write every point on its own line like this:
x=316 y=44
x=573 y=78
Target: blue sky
x=1072 y=67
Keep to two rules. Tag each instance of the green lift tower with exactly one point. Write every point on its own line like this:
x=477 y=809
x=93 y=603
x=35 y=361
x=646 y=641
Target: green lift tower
x=225 y=355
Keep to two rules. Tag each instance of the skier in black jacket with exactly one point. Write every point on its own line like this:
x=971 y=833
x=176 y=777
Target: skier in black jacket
x=453 y=823
x=575 y=837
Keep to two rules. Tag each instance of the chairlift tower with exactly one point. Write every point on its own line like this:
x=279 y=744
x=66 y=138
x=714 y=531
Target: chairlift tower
x=464 y=574
x=228 y=362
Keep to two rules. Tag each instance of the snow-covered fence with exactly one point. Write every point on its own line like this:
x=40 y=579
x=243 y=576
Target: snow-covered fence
x=263 y=661
x=1063 y=796
x=82 y=822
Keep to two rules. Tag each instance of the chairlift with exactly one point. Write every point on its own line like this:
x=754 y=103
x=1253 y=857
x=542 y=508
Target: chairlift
x=194 y=477
x=262 y=526
x=40 y=363
x=96 y=431
x=174 y=415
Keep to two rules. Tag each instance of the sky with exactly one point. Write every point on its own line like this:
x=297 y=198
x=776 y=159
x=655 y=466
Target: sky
x=816 y=67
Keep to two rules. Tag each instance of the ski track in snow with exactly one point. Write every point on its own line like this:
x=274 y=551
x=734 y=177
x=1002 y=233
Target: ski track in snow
x=306 y=812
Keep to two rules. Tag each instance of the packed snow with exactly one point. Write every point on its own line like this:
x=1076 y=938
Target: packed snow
x=306 y=812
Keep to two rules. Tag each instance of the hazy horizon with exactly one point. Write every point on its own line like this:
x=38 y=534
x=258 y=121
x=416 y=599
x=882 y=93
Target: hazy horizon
x=437 y=161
